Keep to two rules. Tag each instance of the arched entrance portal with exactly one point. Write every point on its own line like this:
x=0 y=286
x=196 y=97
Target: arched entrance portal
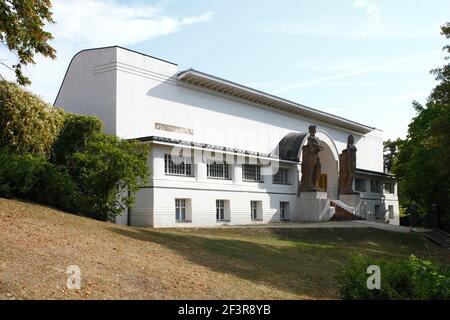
x=329 y=176
x=329 y=158
x=290 y=148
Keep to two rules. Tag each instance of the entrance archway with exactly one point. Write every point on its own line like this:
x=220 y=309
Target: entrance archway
x=330 y=170
x=329 y=158
x=290 y=148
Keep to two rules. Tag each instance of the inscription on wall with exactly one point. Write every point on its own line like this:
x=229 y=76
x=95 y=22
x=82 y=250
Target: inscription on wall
x=168 y=127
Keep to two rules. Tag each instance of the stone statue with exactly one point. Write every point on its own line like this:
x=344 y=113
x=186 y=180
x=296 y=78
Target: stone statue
x=347 y=167
x=311 y=162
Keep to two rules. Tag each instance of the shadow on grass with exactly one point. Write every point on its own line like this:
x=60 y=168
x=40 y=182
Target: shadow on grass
x=299 y=261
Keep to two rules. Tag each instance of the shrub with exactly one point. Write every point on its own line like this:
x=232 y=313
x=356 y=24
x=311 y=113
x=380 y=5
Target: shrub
x=18 y=173
x=410 y=278
x=27 y=123
x=107 y=168
x=34 y=178
x=55 y=187
x=76 y=131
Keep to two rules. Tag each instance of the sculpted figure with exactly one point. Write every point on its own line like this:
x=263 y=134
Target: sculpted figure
x=347 y=167
x=311 y=162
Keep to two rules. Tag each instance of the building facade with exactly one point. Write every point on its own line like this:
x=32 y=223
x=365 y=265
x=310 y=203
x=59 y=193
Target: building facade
x=221 y=153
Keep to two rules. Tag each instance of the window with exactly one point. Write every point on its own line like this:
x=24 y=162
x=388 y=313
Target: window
x=256 y=210
x=375 y=186
x=218 y=170
x=251 y=172
x=180 y=166
x=284 y=207
x=391 y=211
x=180 y=209
x=220 y=209
x=389 y=187
x=282 y=176
x=223 y=210
x=360 y=185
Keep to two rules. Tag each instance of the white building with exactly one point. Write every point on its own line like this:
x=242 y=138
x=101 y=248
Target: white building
x=232 y=138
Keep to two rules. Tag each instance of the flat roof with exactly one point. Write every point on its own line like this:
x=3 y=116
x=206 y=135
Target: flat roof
x=226 y=87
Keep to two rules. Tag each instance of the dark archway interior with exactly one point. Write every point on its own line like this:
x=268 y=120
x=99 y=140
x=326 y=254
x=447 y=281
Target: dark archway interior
x=289 y=146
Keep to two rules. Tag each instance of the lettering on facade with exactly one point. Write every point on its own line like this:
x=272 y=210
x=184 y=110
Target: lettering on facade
x=167 y=127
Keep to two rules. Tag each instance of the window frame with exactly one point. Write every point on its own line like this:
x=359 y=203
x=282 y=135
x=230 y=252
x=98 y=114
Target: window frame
x=186 y=164
x=256 y=211
x=364 y=189
x=390 y=190
x=226 y=170
x=378 y=187
x=284 y=210
x=258 y=177
x=181 y=209
x=287 y=182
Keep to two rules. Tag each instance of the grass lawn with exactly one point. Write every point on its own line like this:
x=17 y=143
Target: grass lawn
x=38 y=243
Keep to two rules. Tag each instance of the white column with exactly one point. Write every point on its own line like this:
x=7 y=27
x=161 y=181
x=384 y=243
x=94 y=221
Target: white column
x=237 y=170
x=200 y=166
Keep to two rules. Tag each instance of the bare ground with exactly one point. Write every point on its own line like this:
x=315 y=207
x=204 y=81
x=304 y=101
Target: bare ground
x=38 y=243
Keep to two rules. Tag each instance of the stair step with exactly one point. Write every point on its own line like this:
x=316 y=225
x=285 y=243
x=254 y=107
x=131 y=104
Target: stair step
x=439 y=237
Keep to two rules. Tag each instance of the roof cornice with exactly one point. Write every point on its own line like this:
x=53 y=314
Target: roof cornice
x=229 y=88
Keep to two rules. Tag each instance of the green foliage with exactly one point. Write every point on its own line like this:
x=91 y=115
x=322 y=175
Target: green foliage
x=18 y=173
x=106 y=168
x=390 y=150
x=27 y=124
x=75 y=133
x=55 y=187
x=422 y=164
x=63 y=160
x=33 y=177
x=403 y=279
x=22 y=31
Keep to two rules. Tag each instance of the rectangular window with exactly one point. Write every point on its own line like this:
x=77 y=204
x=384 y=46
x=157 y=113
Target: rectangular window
x=218 y=170
x=282 y=176
x=179 y=166
x=391 y=211
x=220 y=209
x=284 y=207
x=389 y=187
x=375 y=186
x=251 y=172
x=180 y=209
x=256 y=210
x=360 y=185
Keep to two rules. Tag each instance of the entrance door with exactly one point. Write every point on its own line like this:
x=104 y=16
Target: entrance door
x=323 y=181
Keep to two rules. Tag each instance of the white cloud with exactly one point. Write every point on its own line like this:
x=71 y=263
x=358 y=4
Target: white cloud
x=106 y=22
x=95 y=23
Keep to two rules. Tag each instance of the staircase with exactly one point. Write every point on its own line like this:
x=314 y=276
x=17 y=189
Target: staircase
x=438 y=236
x=343 y=212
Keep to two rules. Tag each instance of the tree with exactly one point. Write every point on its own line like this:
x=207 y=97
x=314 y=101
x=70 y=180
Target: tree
x=27 y=123
x=22 y=32
x=390 y=150
x=422 y=164
x=107 y=168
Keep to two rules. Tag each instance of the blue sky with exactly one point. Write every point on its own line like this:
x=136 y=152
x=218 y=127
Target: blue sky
x=365 y=60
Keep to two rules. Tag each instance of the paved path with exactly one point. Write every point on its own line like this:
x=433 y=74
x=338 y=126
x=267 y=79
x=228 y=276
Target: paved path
x=328 y=224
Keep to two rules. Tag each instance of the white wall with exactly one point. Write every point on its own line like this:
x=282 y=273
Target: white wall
x=89 y=86
x=130 y=92
x=148 y=93
x=158 y=209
